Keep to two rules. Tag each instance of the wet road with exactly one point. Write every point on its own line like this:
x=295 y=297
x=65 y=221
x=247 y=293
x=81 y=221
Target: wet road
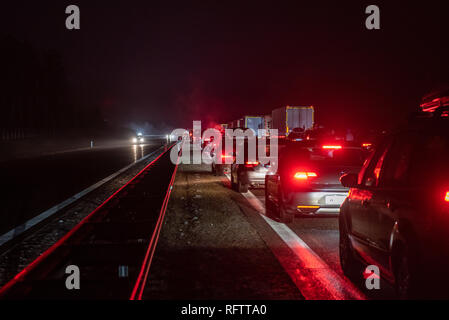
x=31 y=186
x=322 y=236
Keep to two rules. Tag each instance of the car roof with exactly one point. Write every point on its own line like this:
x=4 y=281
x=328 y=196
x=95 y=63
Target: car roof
x=320 y=143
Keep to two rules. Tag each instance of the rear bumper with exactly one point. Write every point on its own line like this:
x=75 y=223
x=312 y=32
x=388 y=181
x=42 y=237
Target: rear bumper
x=255 y=178
x=226 y=167
x=315 y=202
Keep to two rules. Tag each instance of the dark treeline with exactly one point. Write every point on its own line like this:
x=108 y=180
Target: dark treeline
x=36 y=99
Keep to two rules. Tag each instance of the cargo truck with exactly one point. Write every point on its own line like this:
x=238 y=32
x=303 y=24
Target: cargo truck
x=253 y=122
x=287 y=118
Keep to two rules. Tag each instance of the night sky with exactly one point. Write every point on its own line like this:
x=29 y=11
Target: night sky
x=172 y=62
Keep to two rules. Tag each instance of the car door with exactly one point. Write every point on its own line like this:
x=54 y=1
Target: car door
x=360 y=203
x=390 y=196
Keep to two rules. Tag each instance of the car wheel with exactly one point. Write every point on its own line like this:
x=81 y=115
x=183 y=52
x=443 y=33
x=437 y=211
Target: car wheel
x=405 y=279
x=284 y=216
x=242 y=187
x=233 y=184
x=269 y=207
x=219 y=170
x=351 y=267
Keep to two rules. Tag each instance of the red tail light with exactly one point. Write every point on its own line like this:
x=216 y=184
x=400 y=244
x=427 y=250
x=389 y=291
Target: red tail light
x=304 y=175
x=251 y=163
x=447 y=196
x=366 y=145
x=333 y=147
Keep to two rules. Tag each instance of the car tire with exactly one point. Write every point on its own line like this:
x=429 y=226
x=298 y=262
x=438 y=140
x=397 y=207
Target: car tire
x=268 y=205
x=406 y=279
x=219 y=170
x=242 y=187
x=350 y=266
x=284 y=216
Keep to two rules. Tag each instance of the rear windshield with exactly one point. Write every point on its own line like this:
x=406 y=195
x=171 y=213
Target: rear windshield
x=353 y=157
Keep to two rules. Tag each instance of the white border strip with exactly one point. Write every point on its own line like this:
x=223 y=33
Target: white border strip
x=318 y=281
x=13 y=233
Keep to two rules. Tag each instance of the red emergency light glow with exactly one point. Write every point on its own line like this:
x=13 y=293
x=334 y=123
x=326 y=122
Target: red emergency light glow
x=302 y=175
x=447 y=196
x=334 y=147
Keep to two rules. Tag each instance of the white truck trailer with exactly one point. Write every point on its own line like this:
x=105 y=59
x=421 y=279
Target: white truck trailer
x=287 y=118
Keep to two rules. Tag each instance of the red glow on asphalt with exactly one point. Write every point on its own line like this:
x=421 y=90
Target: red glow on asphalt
x=22 y=274
x=145 y=269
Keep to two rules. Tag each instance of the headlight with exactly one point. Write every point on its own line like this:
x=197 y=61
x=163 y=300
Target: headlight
x=141 y=140
x=134 y=140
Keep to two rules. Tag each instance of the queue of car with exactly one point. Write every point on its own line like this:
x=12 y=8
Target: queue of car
x=392 y=200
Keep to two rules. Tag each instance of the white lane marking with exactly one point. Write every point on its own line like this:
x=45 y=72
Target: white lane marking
x=314 y=269
x=13 y=233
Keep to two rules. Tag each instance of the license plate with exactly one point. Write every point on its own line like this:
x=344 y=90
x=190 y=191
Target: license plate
x=336 y=199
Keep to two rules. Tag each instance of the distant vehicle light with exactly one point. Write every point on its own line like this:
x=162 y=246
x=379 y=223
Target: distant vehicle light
x=447 y=196
x=141 y=139
x=139 y=133
x=134 y=140
x=303 y=175
x=333 y=147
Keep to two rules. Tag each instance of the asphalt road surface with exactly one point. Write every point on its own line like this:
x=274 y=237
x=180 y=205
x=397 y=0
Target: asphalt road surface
x=33 y=185
x=321 y=234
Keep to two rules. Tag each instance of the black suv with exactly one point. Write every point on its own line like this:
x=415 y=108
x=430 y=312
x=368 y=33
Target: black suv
x=396 y=215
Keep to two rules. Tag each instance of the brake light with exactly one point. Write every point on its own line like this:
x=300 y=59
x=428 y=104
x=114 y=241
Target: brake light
x=334 y=147
x=223 y=156
x=447 y=196
x=251 y=163
x=303 y=175
x=366 y=145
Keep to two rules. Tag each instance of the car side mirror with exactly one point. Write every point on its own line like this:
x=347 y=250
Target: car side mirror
x=349 y=180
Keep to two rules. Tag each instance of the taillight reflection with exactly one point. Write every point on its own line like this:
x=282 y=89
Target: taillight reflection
x=447 y=196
